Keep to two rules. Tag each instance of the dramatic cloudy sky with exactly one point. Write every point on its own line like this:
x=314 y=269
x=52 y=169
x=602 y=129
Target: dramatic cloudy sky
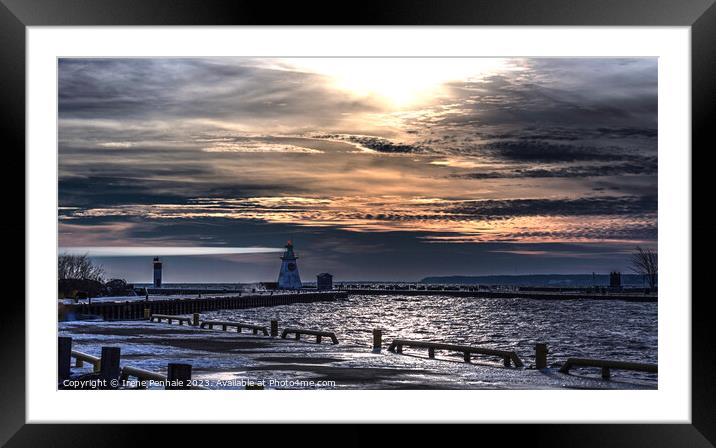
x=375 y=168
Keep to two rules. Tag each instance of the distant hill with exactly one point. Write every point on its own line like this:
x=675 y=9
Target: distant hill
x=557 y=280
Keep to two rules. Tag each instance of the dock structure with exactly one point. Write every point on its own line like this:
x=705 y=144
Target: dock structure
x=107 y=367
x=239 y=325
x=479 y=293
x=170 y=318
x=134 y=310
x=507 y=356
x=607 y=365
x=317 y=333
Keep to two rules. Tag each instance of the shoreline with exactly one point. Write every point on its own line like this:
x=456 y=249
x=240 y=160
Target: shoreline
x=226 y=360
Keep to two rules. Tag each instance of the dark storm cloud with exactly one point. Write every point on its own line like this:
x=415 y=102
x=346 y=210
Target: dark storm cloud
x=628 y=232
x=641 y=208
x=602 y=205
x=98 y=191
x=566 y=134
x=136 y=89
x=541 y=151
x=378 y=144
x=584 y=93
x=648 y=166
x=383 y=145
x=583 y=101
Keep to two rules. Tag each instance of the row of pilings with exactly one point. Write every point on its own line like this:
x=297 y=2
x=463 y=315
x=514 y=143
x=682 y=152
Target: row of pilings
x=134 y=309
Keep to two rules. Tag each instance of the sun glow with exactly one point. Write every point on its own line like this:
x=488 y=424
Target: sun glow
x=401 y=82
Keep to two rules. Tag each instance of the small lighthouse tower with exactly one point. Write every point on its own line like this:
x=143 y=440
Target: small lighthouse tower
x=157 y=273
x=288 y=277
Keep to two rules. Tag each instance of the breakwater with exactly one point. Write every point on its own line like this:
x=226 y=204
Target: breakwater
x=544 y=295
x=134 y=310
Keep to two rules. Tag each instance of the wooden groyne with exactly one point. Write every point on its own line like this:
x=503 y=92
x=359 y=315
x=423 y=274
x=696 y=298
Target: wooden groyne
x=134 y=309
x=164 y=291
x=108 y=374
x=554 y=295
x=606 y=365
x=507 y=356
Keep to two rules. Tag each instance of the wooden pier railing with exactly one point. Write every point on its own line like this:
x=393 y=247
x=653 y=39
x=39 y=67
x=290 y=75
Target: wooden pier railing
x=81 y=358
x=607 y=365
x=507 y=356
x=147 y=375
x=238 y=325
x=318 y=334
x=134 y=309
x=169 y=318
x=107 y=368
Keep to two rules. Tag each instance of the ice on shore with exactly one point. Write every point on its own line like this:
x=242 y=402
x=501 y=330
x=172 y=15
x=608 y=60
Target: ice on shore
x=223 y=359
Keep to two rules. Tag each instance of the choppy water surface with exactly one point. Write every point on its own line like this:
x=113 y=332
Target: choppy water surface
x=571 y=328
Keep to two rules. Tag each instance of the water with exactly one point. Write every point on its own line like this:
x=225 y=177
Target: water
x=572 y=328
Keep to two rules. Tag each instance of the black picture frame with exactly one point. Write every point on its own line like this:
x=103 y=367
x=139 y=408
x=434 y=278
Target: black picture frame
x=16 y=15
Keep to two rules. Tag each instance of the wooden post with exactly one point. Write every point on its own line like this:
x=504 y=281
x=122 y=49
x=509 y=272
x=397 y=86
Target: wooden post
x=274 y=328
x=179 y=374
x=147 y=313
x=431 y=352
x=109 y=363
x=377 y=340
x=195 y=319
x=318 y=339
x=466 y=356
x=606 y=374
x=541 y=356
x=64 y=357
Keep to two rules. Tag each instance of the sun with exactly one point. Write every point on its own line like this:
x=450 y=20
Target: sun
x=399 y=82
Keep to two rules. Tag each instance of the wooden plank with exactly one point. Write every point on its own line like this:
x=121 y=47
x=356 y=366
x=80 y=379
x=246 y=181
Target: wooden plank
x=608 y=364
x=507 y=356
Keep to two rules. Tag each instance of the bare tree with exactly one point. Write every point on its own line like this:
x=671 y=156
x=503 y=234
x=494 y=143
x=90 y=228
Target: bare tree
x=78 y=267
x=645 y=262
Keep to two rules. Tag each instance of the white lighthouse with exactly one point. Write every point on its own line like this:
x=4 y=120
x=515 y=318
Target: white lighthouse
x=288 y=277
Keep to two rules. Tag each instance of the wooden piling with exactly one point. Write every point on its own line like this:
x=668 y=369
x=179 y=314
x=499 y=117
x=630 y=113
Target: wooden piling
x=147 y=313
x=377 y=340
x=274 y=328
x=178 y=376
x=109 y=363
x=195 y=319
x=64 y=357
x=541 y=356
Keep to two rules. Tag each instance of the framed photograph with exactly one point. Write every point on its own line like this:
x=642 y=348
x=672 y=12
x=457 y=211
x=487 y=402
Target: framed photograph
x=418 y=213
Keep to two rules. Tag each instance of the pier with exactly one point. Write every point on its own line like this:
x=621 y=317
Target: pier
x=134 y=309
x=485 y=293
